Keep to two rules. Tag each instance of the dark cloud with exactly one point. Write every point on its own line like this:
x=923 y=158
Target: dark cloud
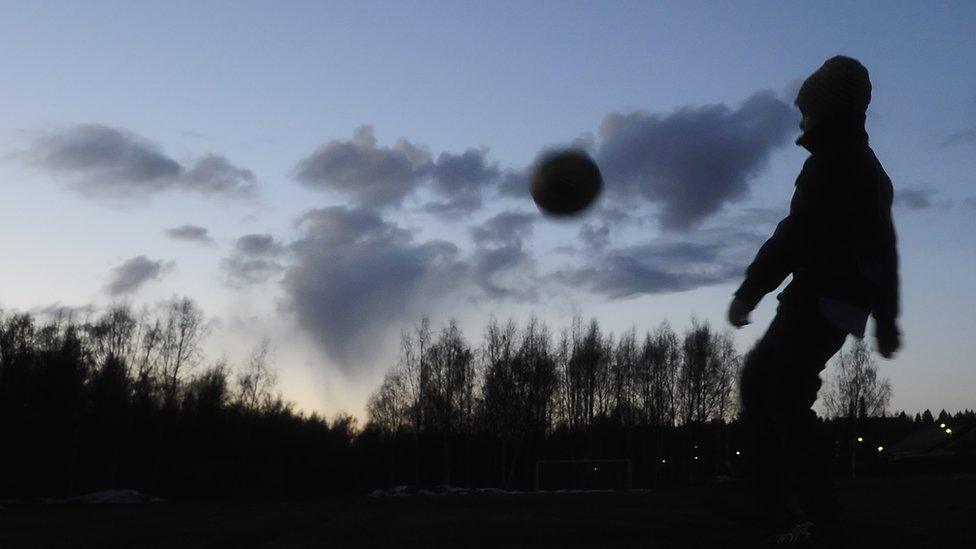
x=959 y=138
x=514 y=184
x=915 y=199
x=133 y=273
x=240 y=271
x=57 y=311
x=501 y=266
x=505 y=272
x=214 y=175
x=356 y=276
x=505 y=228
x=374 y=177
x=644 y=270
x=462 y=180
x=595 y=236
x=695 y=160
x=257 y=245
x=190 y=233
x=665 y=265
x=253 y=261
x=102 y=161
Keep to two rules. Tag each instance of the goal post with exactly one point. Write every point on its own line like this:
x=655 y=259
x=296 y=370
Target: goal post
x=583 y=474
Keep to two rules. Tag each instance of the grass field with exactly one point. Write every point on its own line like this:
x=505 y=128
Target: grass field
x=911 y=512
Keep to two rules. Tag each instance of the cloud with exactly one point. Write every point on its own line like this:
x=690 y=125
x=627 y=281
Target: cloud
x=462 y=179
x=57 y=311
x=665 y=264
x=190 y=233
x=505 y=272
x=134 y=273
x=355 y=277
x=959 y=138
x=257 y=245
x=640 y=270
x=373 y=177
x=240 y=271
x=695 y=160
x=918 y=199
x=500 y=265
x=214 y=175
x=505 y=228
x=595 y=236
x=253 y=260
x=106 y=162
x=514 y=183
x=914 y=199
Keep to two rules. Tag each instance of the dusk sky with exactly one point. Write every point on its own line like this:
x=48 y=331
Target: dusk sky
x=323 y=174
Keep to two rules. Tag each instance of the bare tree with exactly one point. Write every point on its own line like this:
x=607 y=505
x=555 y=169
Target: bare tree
x=586 y=374
x=707 y=374
x=388 y=407
x=114 y=334
x=518 y=392
x=257 y=380
x=183 y=331
x=856 y=391
x=625 y=379
x=661 y=360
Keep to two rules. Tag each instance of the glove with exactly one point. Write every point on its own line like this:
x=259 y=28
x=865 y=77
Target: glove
x=739 y=312
x=889 y=338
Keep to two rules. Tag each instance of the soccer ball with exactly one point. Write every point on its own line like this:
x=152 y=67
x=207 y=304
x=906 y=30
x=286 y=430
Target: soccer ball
x=565 y=183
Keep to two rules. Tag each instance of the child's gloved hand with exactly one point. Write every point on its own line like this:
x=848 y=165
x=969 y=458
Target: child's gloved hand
x=889 y=339
x=739 y=313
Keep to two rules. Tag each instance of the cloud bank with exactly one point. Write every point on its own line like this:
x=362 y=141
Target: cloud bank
x=191 y=233
x=105 y=162
x=695 y=160
x=356 y=275
x=134 y=273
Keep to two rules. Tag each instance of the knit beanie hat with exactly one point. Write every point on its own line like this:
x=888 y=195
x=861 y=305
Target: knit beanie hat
x=840 y=87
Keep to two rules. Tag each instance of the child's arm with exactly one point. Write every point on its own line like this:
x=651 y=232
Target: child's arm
x=886 y=330
x=776 y=258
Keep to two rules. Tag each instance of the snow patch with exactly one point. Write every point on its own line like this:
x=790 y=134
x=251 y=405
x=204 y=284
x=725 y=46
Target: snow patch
x=441 y=490
x=113 y=497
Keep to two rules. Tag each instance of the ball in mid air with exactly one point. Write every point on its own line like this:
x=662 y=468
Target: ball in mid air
x=565 y=182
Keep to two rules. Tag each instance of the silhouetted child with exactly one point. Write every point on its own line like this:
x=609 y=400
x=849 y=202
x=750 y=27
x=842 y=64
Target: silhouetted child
x=838 y=242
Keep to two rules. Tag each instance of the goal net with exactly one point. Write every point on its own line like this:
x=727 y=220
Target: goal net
x=583 y=474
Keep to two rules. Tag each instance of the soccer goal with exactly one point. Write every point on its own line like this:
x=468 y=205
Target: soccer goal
x=583 y=474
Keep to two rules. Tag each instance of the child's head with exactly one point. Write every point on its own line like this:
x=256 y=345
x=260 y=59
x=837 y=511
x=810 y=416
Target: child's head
x=838 y=89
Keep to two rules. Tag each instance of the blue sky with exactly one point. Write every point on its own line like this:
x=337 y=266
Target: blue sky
x=221 y=103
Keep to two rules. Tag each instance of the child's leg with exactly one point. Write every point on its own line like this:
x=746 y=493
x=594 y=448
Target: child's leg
x=809 y=447
x=791 y=454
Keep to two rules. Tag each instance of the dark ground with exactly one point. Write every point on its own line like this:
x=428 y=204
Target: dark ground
x=905 y=512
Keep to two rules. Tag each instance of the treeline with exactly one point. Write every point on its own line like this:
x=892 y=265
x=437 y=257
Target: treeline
x=454 y=413
x=128 y=401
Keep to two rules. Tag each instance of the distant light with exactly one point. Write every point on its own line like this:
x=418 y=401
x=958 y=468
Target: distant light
x=738 y=453
x=696 y=447
x=860 y=439
x=948 y=431
x=696 y=457
x=664 y=461
x=594 y=468
x=880 y=448
x=942 y=426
